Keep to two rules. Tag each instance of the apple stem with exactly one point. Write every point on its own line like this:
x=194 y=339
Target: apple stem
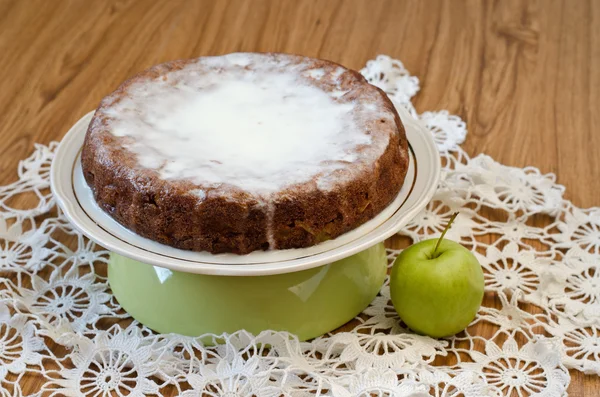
x=437 y=245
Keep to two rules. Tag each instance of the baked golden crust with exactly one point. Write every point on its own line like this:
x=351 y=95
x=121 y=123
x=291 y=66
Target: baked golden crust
x=229 y=219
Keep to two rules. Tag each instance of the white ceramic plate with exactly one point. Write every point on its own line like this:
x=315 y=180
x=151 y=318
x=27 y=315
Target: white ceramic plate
x=77 y=202
x=85 y=198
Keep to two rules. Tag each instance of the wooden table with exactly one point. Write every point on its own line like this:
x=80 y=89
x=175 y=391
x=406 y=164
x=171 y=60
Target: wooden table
x=524 y=75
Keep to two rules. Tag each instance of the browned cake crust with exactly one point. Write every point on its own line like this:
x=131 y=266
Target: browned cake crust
x=229 y=219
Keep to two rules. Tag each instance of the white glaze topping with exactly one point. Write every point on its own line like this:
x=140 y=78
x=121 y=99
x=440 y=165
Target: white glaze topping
x=215 y=122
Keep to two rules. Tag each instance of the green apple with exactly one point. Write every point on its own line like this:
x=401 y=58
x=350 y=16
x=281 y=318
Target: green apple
x=437 y=287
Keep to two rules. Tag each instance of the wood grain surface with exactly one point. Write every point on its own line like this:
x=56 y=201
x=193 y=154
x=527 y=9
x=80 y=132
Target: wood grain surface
x=524 y=75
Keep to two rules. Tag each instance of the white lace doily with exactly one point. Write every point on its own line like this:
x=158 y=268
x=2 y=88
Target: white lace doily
x=60 y=324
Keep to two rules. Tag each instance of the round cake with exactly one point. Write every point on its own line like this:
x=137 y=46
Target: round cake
x=245 y=152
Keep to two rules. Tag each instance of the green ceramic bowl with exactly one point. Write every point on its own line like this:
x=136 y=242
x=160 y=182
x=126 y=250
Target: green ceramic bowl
x=307 y=303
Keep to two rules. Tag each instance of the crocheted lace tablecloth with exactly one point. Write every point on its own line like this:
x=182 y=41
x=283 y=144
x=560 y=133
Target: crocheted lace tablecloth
x=60 y=324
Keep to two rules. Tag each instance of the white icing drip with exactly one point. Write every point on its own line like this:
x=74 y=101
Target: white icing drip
x=258 y=130
x=338 y=72
x=270 y=232
x=316 y=73
x=199 y=193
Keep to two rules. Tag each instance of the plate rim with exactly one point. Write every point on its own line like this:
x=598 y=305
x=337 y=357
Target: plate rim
x=425 y=183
